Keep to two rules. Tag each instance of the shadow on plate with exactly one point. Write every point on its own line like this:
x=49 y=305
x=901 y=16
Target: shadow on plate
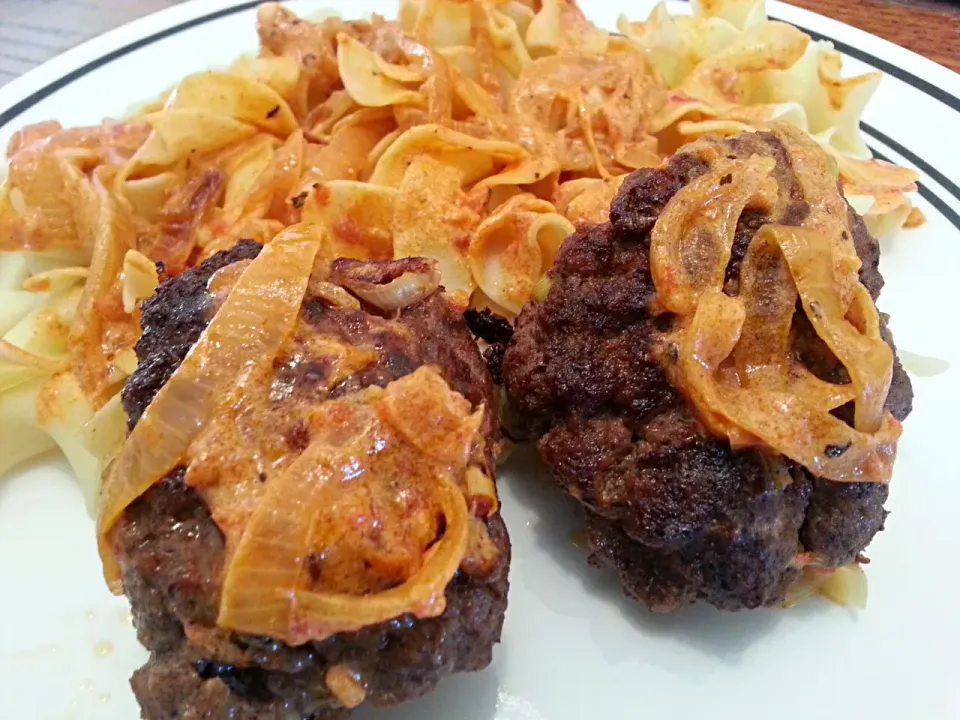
x=724 y=635
x=465 y=696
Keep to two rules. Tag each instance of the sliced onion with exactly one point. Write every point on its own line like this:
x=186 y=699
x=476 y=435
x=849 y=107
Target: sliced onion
x=320 y=615
x=482 y=554
x=482 y=492
x=432 y=418
x=690 y=244
x=867 y=358
x=769 y=299
x=846 y=586
x=244 y=334
x=805 y=587
x=344 y=684
x=762 y=355
x=390 y=294
x=354 y=441
x=813 y=171
x=333 y=295
x=776 y=418
x=267 y=566
x=406 y=290
x=139 y=278
x=735 y=361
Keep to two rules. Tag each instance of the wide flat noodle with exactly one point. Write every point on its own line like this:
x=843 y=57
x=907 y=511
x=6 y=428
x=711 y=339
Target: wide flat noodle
x=730 y=69
x=434 y=218
x=587 y=200
x=514 y=247
x=357 y=218
x=240 y=97
x=473 y=158
x=371 y=80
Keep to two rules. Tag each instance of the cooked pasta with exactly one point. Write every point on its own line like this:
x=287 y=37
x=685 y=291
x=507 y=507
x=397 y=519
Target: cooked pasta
x=474 y=133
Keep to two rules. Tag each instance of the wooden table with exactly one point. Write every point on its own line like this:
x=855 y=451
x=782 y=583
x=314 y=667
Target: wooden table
x=928 y=27
x=32 y=31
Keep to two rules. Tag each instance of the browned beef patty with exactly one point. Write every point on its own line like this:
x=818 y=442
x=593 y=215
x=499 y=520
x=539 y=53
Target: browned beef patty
x=172 y=552
x=674 y=511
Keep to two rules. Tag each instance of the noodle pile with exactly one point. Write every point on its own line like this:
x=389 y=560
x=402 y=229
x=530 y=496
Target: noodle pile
x=473 y=133
x=729 y=69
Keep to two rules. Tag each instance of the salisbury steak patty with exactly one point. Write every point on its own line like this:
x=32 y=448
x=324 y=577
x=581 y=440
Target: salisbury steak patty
x=672 y=509
x=172 y=553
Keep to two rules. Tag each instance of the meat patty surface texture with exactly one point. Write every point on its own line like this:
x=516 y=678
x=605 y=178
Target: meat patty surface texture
x=674 y=511
x=172 y=552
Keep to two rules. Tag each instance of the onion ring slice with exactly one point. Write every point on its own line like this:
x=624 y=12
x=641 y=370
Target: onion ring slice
x=691 y=243
x=868 y=359
x=320 y=615
x=781 y=420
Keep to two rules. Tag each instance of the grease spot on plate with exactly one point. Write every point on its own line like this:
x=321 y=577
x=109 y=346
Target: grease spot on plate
x=921 y=365
x=104 y=648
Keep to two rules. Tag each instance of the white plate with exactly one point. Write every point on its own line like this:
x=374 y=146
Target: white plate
x=572 y=647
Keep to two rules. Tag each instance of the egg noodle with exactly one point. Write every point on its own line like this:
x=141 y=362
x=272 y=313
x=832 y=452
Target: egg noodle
x=476 y=133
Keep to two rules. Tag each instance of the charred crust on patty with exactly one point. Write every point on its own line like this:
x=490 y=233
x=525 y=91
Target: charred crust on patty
x=488 y=326
x=494 y=330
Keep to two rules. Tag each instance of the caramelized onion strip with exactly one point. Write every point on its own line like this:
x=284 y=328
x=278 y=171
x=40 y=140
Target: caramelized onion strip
x=320 y=615
x=265 y=591
x=268 y=563
x=691 y=243
x=769 y=298
x=781 y=420
x=404 y=291
x=394 y=286
x=734 y=357
x=762 y=355
x=246 y=332
x=867 y=358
